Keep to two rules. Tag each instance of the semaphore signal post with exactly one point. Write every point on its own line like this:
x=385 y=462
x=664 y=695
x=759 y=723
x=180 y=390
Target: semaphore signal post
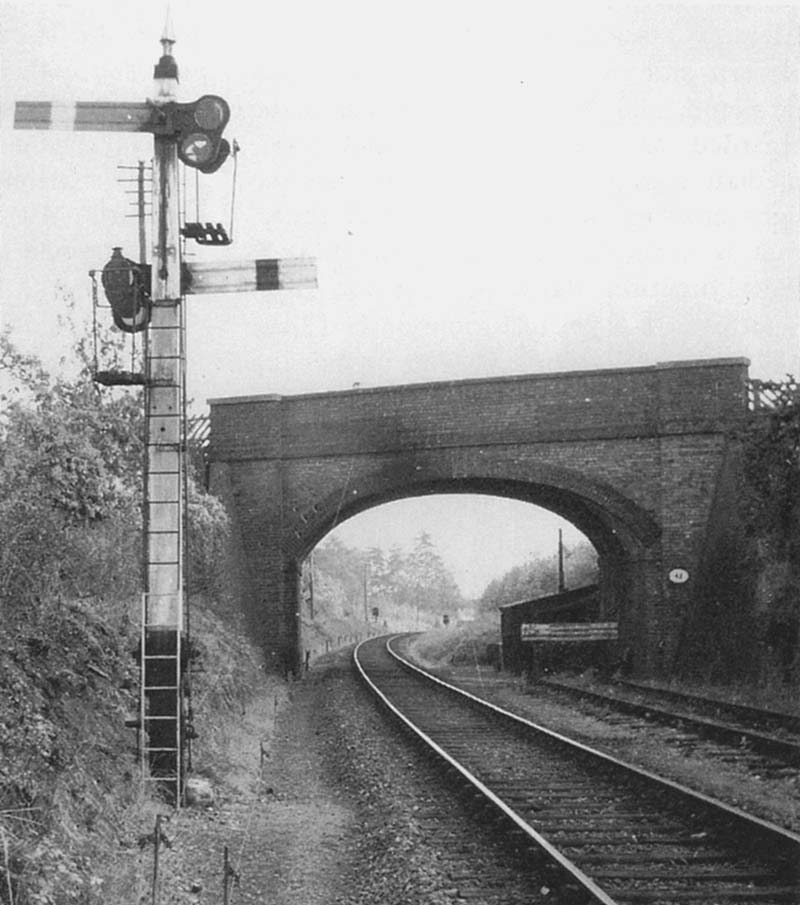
x=149 y=299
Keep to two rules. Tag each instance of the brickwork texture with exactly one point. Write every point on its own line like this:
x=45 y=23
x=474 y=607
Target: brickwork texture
x=631 y=456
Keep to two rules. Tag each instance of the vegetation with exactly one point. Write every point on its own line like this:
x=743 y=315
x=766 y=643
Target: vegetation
x=539 y=577
x=70 y=577
x=771 y=513
x=745 y=624
x=467 y=645
x=395 y=590
x=70 y=580
x=474 y=644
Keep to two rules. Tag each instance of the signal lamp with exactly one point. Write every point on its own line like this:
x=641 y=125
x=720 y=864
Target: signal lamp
x=126 y=287
x=200 y=126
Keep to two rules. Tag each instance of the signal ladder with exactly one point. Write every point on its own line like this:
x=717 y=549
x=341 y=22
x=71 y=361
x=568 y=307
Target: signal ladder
x=163 y=646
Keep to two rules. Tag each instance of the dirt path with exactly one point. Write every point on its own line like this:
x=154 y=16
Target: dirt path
x=345 y=812
x=288 y=828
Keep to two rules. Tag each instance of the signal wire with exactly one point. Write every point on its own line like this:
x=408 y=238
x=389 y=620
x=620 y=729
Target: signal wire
x=235 y=152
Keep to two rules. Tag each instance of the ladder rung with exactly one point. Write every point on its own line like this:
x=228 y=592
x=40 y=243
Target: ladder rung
x=160 y=688
x=162 y=750
x=173 y=718
x=161 y=656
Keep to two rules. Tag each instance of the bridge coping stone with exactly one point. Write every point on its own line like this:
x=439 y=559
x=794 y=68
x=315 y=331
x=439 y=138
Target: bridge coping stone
x=513 y=378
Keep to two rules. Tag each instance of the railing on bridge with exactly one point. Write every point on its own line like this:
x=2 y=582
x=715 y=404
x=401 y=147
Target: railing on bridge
x=771 y=395
x=198 y=429
x=198 y=435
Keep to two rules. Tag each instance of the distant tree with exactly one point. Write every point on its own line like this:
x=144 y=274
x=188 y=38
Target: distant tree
x=539 y=577
x=380 y=585
x=338 y=579
x=580 y=566
x=432 y=585
x=393 y=581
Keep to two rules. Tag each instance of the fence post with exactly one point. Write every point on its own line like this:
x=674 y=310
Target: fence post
x=156 y=846
x=228 y=874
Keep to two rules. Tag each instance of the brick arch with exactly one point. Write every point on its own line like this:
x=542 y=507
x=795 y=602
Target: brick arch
x=595 y=508
x=631 y=456
x=619 y=529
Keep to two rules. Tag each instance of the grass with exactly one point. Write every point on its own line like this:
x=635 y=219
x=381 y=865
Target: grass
x=462 y=645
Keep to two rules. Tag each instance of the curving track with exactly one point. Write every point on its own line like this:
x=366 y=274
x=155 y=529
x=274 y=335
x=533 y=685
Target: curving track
x=612 y=833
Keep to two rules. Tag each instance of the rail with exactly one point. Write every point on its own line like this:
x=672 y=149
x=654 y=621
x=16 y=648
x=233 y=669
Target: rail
x=645 y=825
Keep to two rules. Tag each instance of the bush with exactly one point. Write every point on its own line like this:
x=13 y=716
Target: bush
x=771 y=509
x=70 y=577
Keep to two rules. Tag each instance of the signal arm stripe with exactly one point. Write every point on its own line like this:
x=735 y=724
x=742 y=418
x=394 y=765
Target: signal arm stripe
x=63 y=116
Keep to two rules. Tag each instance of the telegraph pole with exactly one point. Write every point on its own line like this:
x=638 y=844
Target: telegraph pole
x=140 y=209
x=141 y=205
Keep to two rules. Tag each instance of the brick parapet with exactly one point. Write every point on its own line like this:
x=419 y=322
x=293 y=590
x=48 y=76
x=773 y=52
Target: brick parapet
x=696 y=397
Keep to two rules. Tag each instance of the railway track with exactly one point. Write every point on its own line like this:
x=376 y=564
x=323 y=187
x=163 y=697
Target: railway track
x=609 y=833
x=765 y=743
x=773 y=721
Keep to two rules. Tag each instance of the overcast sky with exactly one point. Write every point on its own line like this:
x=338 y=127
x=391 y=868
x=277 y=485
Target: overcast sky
x=488 y=189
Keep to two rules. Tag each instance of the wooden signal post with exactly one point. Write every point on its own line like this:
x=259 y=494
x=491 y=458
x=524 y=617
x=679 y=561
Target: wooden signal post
x=191 y=134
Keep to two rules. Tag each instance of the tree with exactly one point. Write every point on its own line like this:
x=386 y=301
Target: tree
x=430 y=582
x=71 y=466
x=70 y=460
x=770 y=506
x=539 y=577
x=394 y=583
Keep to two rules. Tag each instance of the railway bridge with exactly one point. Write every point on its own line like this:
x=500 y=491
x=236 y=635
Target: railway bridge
x=639 y=459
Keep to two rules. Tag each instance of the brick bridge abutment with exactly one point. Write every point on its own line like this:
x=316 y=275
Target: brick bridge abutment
x=632 y=457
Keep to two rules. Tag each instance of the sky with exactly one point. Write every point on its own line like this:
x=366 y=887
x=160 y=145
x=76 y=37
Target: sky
x=478 y=537
x=488 y=189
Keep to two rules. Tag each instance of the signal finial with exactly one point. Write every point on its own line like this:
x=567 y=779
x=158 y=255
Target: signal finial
x=165 y=74
x=168 y=35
